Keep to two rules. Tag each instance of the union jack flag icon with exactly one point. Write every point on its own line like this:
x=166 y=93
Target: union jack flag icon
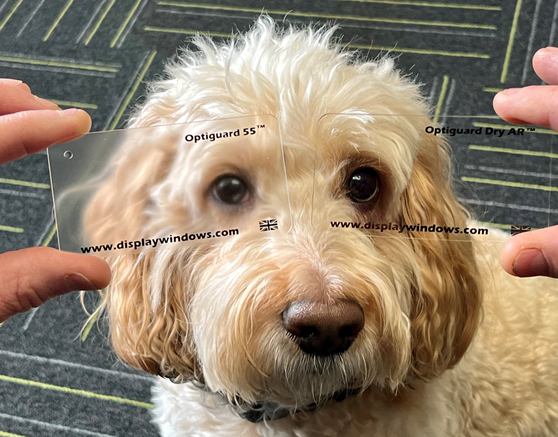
x=268 y=225
x=515 y=230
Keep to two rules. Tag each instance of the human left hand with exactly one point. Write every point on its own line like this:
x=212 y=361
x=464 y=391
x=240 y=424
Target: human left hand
x=30 y=277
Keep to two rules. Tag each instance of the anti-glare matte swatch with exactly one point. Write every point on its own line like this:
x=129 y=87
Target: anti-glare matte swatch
x=403 y=176
x=165 y=186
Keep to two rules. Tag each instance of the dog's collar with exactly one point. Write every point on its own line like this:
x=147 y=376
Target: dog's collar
x=268 y=411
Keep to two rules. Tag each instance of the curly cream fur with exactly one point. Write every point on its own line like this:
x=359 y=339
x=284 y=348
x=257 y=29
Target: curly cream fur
x=427 y=361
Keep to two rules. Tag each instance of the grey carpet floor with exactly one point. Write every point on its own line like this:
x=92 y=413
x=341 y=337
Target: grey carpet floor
x=99 y=55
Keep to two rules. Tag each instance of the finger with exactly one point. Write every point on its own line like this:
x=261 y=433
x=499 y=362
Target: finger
x=545 y=63
x=30 y=277
x=16 y=83
x=17 y=99
x=28 y=132
x=531 y=105
x=533 y=253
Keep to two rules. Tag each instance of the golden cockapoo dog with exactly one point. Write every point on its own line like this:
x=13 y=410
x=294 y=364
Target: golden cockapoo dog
x=321 y=331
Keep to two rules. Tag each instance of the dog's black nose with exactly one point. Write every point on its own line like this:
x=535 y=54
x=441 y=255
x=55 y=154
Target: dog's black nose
x=323 y=329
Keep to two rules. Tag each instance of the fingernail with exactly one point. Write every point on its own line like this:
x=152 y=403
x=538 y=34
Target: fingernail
x=76 y=281
x=530 y=262
x=16 y=84
x=46 y=103
x=11 y=82
x=24 y=87
x=68 y=112
x=511 y=91
x=506 y=93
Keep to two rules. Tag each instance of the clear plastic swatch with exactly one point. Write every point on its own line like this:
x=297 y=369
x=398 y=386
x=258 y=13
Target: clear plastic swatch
x=404 y=176
x=168 y=186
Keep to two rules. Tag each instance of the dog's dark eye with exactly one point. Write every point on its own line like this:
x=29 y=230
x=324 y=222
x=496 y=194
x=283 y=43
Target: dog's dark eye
x=230 y=190
x=363 y=185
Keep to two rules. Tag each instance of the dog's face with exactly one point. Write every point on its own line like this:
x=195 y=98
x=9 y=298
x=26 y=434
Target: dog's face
x=296 y=317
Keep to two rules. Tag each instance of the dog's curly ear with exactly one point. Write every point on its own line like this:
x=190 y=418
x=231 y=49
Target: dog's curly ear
x=447 y=299
x=155 y=339
x=148 y=333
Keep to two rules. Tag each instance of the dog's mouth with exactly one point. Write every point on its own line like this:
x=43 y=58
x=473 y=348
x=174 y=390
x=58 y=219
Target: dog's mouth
x=267 y=411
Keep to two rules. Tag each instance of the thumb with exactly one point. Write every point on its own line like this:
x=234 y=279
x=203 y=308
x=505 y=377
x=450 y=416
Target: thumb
x=30 y=277
x=533 y=253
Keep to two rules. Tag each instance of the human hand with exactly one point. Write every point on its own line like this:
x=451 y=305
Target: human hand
x=533 y=104
x=533 y=253
x=30 y=277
